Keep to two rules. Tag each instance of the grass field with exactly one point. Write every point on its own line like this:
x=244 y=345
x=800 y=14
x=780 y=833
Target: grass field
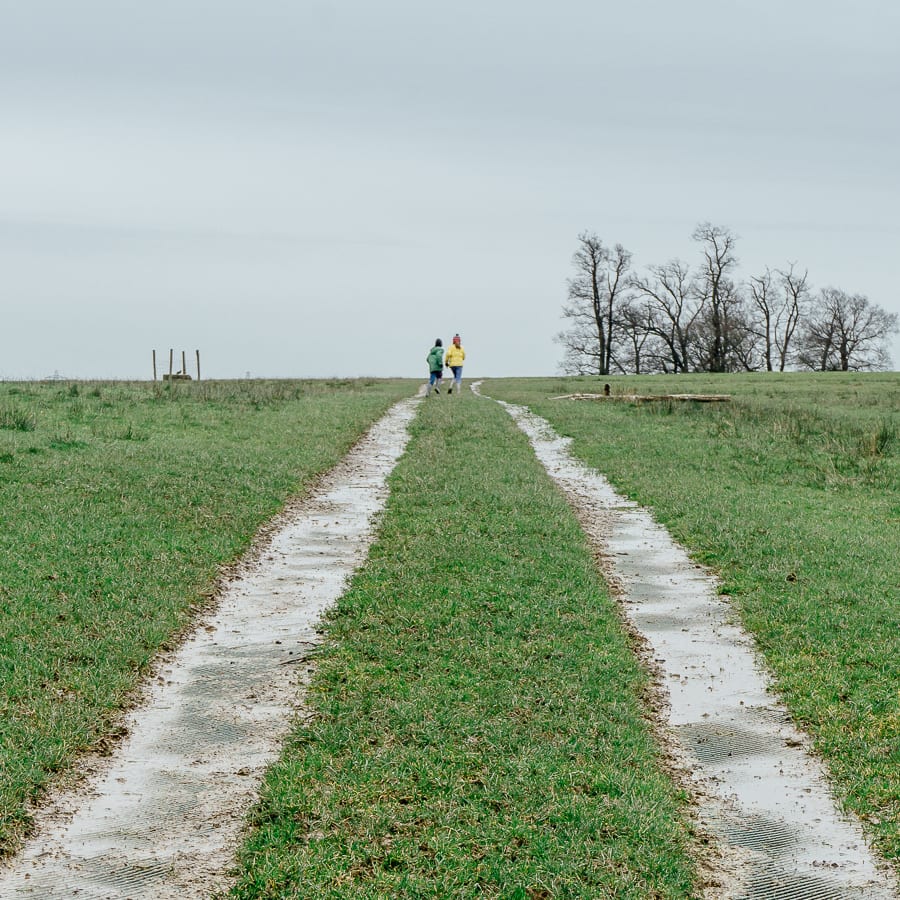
x=479 y=730
x=119 y=504
x=478 y=725
x=792 y=494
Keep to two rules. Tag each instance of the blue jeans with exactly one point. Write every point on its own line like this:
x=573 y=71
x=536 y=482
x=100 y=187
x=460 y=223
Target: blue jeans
x=436 y=377
x=457 y=375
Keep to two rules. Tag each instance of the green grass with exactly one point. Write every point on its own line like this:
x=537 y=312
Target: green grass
x=119 y=504
x=792 y=493
x=478 y=729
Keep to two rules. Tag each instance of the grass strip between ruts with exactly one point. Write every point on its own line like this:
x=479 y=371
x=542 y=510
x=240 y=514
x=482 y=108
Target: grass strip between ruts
x=119 y=503
x=792 y=494
x=477 y=727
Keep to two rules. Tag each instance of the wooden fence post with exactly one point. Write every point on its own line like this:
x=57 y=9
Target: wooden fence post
x=154 y=365
x=171 y=362
x=198 y=365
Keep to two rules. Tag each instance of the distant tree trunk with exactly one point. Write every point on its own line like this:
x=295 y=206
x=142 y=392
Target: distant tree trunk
x=618 y=264
x=635 y=324
x=761 y=296
x=795 y=300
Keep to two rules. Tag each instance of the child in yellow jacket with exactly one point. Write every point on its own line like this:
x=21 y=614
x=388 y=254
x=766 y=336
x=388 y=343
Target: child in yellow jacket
x=454 y=359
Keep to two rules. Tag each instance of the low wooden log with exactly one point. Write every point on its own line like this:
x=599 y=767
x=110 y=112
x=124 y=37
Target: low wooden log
x=649 y=398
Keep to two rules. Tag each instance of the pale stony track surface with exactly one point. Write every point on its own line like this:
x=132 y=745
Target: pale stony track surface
x=162 y=818
x=759 y=791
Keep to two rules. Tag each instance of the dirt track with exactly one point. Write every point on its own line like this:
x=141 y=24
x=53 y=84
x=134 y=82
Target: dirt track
x=162 y=817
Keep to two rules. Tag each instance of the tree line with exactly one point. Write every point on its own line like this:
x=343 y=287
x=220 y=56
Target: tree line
x=675 y=318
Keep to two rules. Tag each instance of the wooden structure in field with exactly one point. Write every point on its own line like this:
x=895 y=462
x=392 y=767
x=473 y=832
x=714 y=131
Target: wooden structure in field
x=182 y=375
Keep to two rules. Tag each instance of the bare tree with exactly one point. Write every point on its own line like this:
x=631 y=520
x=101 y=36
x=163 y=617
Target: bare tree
x=763 y=299
x=674 y=307
x=580 y=352
x=718 y=290
x=846 y=332
x=725 y=337
x=778 y=302
x=595 y=292
x=636 y=327
x=796 y=296
x=673 y=319
x=744 y=351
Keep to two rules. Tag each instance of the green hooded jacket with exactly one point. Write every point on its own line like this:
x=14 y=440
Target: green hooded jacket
x=435 y=359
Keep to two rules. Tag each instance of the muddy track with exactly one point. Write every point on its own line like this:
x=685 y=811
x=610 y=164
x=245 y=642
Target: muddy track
x=162 y=817
x=759 y=792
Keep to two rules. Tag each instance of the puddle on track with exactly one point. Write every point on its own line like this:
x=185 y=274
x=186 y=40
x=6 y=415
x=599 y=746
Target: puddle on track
x=162 y=817
x=762 y=795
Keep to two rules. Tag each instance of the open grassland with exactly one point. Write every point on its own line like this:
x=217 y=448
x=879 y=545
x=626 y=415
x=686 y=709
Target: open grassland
x=477 y=726
x=792 y=494
x=119 y=504
x=477 y=719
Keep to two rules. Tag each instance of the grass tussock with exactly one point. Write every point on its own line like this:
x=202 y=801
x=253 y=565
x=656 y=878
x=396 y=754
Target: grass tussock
x=17 y=419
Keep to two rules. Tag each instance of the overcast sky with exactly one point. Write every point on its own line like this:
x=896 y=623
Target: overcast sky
x=305 y=188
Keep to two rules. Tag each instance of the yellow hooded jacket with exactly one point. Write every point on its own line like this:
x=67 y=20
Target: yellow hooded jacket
x=455 y=355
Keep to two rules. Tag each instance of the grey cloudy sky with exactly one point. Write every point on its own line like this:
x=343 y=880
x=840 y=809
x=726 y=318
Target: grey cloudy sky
x=314 y=188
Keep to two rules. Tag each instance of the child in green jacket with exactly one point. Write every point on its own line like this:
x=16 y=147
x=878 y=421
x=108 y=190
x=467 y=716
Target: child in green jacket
x=435 y=360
